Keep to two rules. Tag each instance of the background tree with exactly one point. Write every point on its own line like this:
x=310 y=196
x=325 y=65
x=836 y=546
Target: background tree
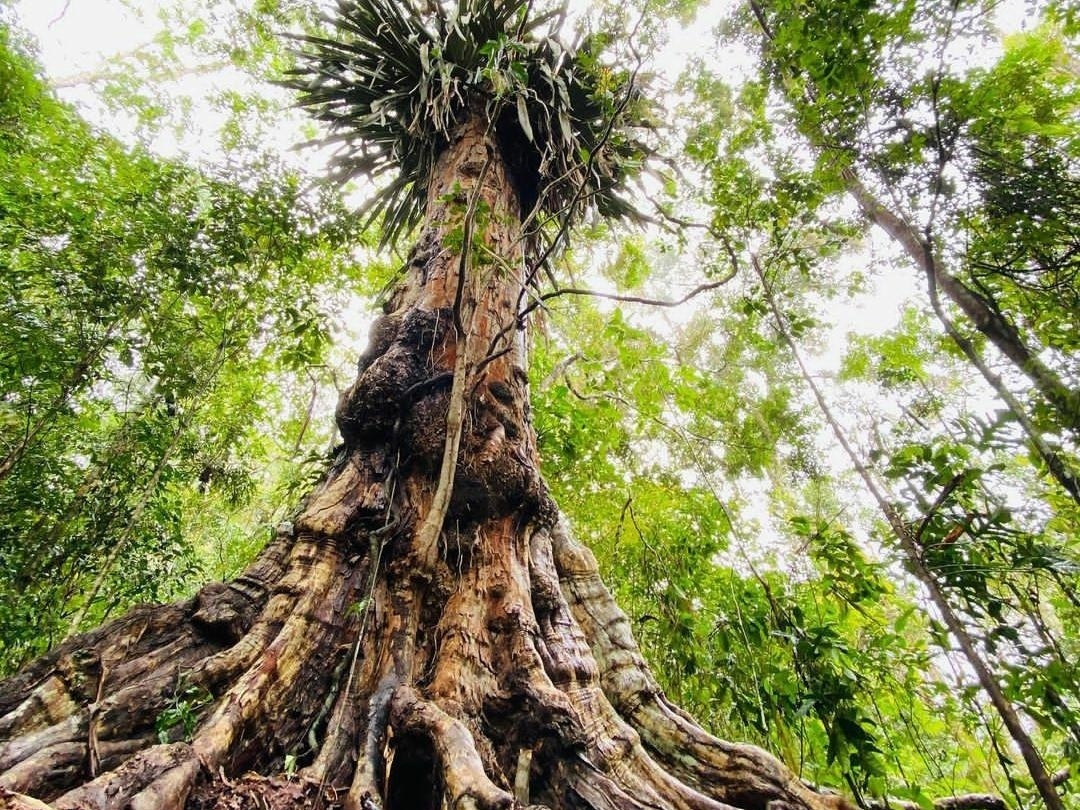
x=144 y=303
x=870 y=117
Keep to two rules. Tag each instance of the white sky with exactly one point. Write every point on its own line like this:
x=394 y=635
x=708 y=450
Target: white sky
x=87 y=32
x=80 y=36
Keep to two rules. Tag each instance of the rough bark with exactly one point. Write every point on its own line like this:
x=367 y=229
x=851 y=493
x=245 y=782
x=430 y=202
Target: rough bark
x=424 y=633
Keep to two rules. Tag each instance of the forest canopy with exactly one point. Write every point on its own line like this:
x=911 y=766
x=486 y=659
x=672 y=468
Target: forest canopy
x=813 y=401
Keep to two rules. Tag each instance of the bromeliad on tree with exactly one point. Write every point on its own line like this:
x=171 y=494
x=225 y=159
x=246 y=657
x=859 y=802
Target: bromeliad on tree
x=425 y=633
x=396 y=85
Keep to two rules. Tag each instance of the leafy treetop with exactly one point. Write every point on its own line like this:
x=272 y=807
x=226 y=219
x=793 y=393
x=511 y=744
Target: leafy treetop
x=393 y=81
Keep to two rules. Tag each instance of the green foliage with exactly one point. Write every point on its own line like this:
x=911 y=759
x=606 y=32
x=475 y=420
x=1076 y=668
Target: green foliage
x=181 y=716
x=895 y=359
x=164 y=322
x=979 y=158
x=155 y=91
x=982 y=159
x=826 y=666
x=143 y=305
x=1024 y=165
x=631 y=266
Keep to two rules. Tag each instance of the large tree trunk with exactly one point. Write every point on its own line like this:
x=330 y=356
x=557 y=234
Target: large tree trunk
x=424 y=634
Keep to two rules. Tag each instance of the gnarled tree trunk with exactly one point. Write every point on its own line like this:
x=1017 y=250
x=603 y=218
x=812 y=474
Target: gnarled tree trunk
x=424 y=634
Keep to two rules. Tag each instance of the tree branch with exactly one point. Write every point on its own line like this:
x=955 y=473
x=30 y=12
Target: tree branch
x=630 y=299
x=964 y=801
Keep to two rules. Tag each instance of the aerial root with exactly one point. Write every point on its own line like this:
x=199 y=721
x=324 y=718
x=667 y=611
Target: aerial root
x=341 y=717
x=370 y=773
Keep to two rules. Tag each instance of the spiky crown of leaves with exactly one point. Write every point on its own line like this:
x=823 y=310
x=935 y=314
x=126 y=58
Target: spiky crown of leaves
x=392 y=81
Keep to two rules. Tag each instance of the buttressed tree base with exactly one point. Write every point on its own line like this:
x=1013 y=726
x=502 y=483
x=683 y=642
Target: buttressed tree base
x=426 y=632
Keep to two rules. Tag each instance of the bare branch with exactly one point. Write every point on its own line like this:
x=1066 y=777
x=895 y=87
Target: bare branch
x=630 y=299
x=61 y=14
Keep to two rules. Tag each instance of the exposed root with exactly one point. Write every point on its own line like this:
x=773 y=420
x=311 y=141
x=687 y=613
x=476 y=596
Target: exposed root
x=615 y=761
x=743 y=775
x=9 y=800
x=96 y=710
x=139 y=782
x=269 y=682
x=533 y=691
x=601 y=790
x=466 y=784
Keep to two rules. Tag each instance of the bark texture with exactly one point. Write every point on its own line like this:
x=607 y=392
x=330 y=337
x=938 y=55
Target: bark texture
x=425 y=633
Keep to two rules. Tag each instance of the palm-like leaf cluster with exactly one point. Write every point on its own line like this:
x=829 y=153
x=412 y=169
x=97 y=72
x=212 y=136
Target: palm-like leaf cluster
x=393 y=80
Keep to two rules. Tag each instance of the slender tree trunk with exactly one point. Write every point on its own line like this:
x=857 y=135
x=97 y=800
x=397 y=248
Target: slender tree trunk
x=424 y=633
x=1064 y=400
x=1044 y=782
